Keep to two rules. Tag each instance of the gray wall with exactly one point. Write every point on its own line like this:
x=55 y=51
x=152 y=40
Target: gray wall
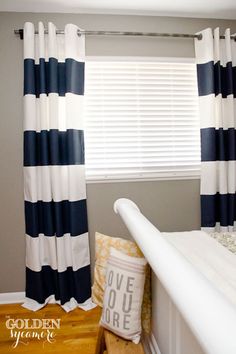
x=172 y=205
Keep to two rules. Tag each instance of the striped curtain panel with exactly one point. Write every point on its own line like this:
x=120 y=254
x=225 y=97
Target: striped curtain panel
x=57 y=246
x=216 y=70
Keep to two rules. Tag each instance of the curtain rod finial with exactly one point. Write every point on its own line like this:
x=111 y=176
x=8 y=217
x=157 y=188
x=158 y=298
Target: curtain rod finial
x=21 y=33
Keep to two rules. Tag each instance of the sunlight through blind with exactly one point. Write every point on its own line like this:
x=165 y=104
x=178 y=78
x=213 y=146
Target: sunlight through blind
x=141 y=120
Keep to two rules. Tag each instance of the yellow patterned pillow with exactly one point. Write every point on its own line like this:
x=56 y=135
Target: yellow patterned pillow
x=103 y=244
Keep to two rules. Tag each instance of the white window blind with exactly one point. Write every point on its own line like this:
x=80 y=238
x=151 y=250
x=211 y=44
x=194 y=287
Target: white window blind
x=141 y=120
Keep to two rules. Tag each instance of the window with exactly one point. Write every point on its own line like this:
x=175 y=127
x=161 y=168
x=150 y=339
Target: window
x=141 y=119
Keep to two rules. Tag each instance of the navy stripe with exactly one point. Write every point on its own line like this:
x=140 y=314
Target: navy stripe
x=218 y=144
x=53 y=77
x=56 y=218
x=218 y=208
x=216 y=79
x=64 y=285
x=54 y=147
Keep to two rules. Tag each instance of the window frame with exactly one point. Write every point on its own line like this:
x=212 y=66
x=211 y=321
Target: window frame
x=139 y=177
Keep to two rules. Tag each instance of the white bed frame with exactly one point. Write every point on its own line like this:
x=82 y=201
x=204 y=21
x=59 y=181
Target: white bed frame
x=189 y=314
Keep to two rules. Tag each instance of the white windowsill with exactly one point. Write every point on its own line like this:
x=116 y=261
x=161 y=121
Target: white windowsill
x=141 y=179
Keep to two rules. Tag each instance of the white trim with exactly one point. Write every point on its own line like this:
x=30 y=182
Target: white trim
x=116 y=179
x=154 y=344
x=12 y=298
x=171 y=337
x=150 y=344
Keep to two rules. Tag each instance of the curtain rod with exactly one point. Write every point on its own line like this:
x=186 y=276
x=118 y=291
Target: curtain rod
x=20 y=32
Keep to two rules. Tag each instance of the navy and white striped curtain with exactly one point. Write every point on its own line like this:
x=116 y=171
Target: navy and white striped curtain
x=57 y=246
x=216 y=70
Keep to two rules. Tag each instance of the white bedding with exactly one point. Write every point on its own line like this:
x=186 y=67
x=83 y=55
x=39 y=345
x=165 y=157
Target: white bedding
x=212 y=259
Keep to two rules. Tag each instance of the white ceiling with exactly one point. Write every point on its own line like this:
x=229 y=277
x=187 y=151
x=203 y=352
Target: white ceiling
x=225 y=9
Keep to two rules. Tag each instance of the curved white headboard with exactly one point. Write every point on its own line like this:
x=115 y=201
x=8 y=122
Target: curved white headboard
x=208 y=313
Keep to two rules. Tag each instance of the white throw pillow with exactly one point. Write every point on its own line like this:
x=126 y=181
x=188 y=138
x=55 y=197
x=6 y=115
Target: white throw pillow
x=123 y=295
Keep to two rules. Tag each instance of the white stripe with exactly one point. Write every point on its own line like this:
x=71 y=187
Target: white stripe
x=70 y=305
x=217 y=44
x=218 y=176
x=74 y=44
x=207 y=111
x=52 y=41
x=57 y=252
x=56 y=183
x=211 y=48
x=41 y=42
x=29 y=40
x=217 y=112
x=228 y=106
x=204 y=47
x=233 y=44
x=221 y=47
x=56 y=44
x=53 y=112
x=68 y=45
x=227 y=44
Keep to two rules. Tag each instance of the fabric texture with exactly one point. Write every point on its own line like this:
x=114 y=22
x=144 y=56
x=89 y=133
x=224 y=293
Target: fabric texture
x=227 y=239
x=216 y=68
x=103 y=244
x=123 y=295
x=57 y=247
